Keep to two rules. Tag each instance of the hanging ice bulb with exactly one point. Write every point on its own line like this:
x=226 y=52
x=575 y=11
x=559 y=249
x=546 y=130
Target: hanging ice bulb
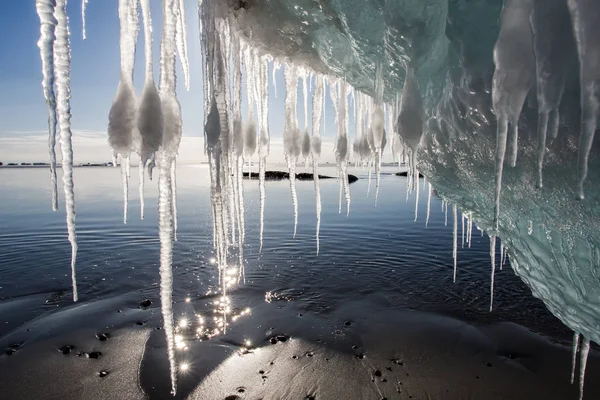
x=411 y=116
x=123 y=113
x=150 y=115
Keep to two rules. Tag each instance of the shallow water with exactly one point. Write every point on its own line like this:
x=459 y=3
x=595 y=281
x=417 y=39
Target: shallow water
x=377 y=253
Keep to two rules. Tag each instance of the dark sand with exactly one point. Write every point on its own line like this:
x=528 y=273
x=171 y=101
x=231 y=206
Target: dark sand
x=360 y=351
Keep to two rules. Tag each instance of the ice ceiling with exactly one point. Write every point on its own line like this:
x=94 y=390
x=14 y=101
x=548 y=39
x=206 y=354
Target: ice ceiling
x=496 y=103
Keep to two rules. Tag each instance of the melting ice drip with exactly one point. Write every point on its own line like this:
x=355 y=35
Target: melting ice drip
x=528 y=50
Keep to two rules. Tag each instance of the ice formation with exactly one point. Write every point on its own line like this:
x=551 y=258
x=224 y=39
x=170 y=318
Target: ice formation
x=444 y=81
x=48 y=22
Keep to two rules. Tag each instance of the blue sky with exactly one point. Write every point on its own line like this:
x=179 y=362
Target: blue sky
x=94 y=79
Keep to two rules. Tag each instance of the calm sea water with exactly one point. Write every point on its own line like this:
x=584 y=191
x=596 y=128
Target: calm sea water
x=378 y=253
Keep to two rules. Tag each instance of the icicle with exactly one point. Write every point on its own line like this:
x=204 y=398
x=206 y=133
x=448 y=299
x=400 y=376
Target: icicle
x=455 y=241
x=428 y=204
x=317 y=112
x=470 y=228
x=173 y=169
x=125 y=177
x=501 y=254
x=165 y=226
x=493 y=259
x=171 y=137
x=463 y=230
x=574 y=356
x=583 y=356
x=305 y=97
x=62 y=77
x=45 y=10
x=141 y=189
x=291 y=134
x=584 y=15
x=508 y=94
x=264 y=145
x=446 y=213
x=150 y=115
x=417 y=201
x=181 y=41
x=83 y=10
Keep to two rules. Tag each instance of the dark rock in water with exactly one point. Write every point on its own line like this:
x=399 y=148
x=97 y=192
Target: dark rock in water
x=92 y=354
x=278 y=338
x=102 y=336
x=360 y=356
x=241 y=389
x=348 y=323
x=145 y=303
x=377 y=373
x=405 y=173
x=302 y=176
x=9 y=351
x=103 y=373
x=16 y=345
x=66 y=349
x=232 y=397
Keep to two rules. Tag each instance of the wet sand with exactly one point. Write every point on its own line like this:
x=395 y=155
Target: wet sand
x=116 y=350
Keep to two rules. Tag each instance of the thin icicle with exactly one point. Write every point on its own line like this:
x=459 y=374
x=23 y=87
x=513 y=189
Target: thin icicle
x=455 y=241
x=62 y=76
x=493 y=259
x=291 y=134
x=574 y=355
x=317 y=112
x=174 y=195
x=45 y=10
x=141 y=188
x=264 y=141
x=583 y=356
x=305 y=98
x=83 y=10
x=428 y=204
x=417 y=201
x=125 y=178
x=463 y=230
x=446 y=213
x=181 y=42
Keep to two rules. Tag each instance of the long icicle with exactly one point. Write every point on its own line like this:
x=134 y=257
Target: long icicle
x=317 y=113
x=455 y=241
x=493 y=259
x=165 y=226
x=574 y=355
x=428 y=204
x=170 y=142
x=181 y=42
x=62 y=75
x=141 y=188
x=83 y=11
x=125 y=177
x=174 y=195
x=583 y=356
x=45 y=10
